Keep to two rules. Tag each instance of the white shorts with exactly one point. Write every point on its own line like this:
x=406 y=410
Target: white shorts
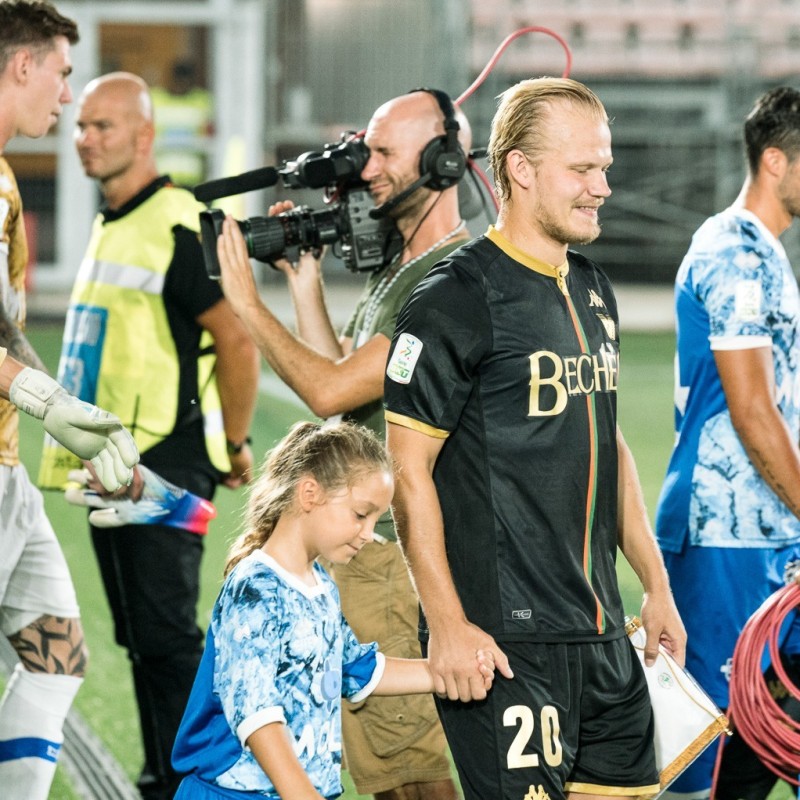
x=34 y=576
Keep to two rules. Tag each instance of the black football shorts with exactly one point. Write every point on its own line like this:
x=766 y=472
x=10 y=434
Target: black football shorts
x=575 y=717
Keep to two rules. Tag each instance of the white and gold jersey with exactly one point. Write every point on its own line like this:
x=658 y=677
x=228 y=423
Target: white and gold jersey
x=13 y=261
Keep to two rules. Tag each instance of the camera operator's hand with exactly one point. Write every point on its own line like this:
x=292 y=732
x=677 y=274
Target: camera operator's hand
x=282 y=264
x=305 y=286
x=236 y=274
x=308 y=266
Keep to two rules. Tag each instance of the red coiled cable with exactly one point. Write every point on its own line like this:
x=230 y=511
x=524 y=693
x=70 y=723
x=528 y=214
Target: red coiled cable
x=767 y=729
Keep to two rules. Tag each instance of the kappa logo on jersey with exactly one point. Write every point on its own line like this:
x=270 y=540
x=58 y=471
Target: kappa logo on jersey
x=595 y=301
x=536 y=793
x=555 y=378
x=404 y=358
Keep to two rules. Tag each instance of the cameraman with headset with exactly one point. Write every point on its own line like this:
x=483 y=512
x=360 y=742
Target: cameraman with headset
x=394 y=747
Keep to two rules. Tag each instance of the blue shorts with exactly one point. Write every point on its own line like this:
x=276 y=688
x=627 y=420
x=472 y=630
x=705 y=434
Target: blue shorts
x=194 y=788
x=717 y=589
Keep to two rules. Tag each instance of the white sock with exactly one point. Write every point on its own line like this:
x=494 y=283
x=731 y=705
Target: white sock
x=32 y=714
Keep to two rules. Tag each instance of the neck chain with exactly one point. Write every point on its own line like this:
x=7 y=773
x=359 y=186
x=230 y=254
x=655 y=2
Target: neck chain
x=390 y=277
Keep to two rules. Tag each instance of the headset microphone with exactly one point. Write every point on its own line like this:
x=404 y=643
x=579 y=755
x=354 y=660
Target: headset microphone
x=442 y=161
x=379 y=212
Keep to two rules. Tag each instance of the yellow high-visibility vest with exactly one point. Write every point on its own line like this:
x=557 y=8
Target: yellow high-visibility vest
x=118 y=350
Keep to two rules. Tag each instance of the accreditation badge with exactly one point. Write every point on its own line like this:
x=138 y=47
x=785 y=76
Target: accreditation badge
x=82 y=350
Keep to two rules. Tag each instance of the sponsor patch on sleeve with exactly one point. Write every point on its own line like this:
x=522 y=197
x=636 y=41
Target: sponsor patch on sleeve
x=404 y=358
x=748 y=300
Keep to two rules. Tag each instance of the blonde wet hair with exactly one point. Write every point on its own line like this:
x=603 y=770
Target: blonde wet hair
x=520 y=122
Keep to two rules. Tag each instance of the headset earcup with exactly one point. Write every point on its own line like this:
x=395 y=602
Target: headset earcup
x=446 y=165
x=428 y=161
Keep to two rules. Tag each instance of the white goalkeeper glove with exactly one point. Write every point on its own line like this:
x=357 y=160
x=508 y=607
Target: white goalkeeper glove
x=88 y=431
x=161 y=503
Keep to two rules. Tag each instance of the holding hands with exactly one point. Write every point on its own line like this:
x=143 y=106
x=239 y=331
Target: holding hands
x=463 y=661
x=486 y=667
x=417 y=676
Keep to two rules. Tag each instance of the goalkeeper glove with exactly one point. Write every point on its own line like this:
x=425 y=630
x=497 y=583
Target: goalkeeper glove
x=161 y=503
x=88 y=431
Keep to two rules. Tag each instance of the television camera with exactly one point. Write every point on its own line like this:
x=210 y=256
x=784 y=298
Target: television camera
x=363 y=239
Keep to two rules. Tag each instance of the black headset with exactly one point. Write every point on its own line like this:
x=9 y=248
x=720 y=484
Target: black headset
x=443 y=159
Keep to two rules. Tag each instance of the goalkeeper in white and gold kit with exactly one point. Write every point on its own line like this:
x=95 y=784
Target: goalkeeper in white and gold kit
x=38 y=609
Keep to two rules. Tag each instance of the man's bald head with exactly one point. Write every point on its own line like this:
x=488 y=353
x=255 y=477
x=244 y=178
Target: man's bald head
x=420 y=114
x=397 y=134
x=124 y=88
x=115 y=135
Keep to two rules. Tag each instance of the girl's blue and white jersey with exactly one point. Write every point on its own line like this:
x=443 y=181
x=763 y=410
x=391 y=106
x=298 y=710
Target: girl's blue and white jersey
x=735 y=290
x=276 y=651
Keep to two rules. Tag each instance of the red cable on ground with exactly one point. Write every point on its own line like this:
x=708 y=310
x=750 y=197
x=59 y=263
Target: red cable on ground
x=771 y=733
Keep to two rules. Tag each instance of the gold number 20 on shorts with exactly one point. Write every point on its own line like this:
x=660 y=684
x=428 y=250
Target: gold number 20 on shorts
x=550 y=731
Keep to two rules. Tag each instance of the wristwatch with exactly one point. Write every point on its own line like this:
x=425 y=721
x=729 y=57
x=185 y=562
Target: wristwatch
x=234 y=448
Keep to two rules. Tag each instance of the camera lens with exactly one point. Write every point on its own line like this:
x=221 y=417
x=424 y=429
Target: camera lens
x=265 y=237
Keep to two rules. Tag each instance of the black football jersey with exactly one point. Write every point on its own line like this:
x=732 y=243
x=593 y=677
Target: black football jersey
x=515 y=362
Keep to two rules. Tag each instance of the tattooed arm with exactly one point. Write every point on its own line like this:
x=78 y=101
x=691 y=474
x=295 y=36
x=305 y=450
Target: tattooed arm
x=17 y=344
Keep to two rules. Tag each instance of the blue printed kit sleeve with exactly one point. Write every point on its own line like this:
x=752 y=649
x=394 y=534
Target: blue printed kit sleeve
x=735 y=290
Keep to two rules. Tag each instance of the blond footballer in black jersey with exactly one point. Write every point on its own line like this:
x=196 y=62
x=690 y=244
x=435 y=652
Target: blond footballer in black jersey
x=515 y=486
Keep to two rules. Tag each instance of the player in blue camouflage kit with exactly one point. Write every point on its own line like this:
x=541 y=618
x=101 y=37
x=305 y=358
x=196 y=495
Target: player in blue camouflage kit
x=727 y=520
x=264 y=716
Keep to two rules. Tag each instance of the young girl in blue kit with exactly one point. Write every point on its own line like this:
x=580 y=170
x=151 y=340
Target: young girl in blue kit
x=264 y=716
